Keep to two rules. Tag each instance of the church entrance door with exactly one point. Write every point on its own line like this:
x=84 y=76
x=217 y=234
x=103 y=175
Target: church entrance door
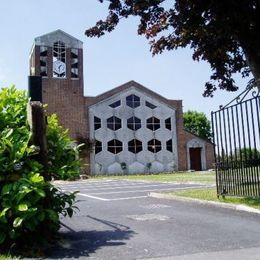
x=195 y=159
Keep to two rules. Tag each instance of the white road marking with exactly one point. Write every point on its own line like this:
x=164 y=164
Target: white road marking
x=112 y=188
x=92 y=197
x=98 y=198
x=128 y=198
x=109 y=185
x=163 y=189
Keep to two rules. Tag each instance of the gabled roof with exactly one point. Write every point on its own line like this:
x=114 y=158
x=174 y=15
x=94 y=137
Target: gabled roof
x=127 y=86
x=197 y=136
x=49 y=38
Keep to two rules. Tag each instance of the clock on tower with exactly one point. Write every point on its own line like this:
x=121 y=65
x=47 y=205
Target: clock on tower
x=58 y=58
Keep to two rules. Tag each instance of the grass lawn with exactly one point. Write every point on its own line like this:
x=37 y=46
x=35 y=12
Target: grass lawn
x=182 y=177
x=211 y=195
x=4 y=257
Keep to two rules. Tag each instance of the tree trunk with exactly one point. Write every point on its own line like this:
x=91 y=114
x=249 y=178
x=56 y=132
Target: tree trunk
x=253 y=60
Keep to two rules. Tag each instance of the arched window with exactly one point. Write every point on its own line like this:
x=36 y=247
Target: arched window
x=59 y=60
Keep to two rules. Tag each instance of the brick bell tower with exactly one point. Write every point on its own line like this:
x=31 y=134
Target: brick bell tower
x=58 y=58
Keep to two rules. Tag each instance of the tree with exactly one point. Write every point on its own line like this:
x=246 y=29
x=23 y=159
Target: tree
x=224 y=33
x=197 y=123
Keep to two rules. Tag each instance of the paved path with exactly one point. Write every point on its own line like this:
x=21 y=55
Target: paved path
x=118 y=221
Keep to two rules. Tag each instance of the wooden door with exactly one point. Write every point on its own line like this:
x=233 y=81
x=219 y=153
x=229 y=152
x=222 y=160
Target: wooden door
x=195 y=159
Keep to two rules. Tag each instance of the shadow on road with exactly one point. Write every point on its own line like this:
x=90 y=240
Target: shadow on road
x=83 y=243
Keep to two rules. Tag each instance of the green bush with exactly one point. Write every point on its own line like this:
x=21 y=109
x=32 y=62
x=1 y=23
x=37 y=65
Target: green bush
x=29 y=205
x=63 y=153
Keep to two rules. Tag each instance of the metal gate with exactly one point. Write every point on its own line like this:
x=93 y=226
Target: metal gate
x=236 y=135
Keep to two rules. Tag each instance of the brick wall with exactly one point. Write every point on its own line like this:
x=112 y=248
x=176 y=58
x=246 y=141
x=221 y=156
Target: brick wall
x=64 y=96
x=184 y=137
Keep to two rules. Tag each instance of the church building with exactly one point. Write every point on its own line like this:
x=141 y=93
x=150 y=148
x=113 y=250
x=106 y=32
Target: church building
x=135 y=129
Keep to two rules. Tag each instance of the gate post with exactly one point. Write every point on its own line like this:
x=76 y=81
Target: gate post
x=215 y=154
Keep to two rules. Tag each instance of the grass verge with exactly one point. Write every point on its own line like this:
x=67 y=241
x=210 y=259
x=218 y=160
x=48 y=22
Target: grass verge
x=211 y=195
x=183 y=177
x=5 y=257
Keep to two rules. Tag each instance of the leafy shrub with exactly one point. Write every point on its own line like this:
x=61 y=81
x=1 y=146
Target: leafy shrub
x=63 y=153
x=29 y=205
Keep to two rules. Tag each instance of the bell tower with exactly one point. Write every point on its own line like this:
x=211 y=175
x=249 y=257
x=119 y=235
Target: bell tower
x=58 y=58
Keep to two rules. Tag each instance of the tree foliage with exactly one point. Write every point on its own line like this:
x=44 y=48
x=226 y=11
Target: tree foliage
x=223 y=33
x=197 y=123
x=29 y=205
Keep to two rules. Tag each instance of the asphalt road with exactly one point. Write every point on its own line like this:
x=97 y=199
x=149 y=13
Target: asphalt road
x=117 y=220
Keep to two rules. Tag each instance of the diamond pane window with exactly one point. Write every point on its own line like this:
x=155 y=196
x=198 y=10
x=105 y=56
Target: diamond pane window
x=154 y=146
x=133 y=101
x=98 y=147
x=97 y=123
x=169 y=145
x=115 y=146
x=134 y=123
x=115 y=104
x=114 y=123
x=153 y=123
x=168 y=124
x=135 y=146
x=150 y=105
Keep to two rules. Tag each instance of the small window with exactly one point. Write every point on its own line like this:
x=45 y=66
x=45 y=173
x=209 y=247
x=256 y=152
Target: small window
x=169 y=145
x=153 y=123
x=97 y=123
x=134 y=123
x=154 y=146
x=115 y=104
x=114 y=123
x=168 y=124
x=98 y=147
x=114 y=146
x=150 y=105
x=135 y=146
x=133 y=101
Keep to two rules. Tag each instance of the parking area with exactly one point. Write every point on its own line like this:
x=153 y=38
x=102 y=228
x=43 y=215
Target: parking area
x=111 y=190
x=118 y=220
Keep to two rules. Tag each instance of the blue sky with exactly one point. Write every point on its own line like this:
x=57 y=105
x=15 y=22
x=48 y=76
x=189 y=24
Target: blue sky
x=109 y=61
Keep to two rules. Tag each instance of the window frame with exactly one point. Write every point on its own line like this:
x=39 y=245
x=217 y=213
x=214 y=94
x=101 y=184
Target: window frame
x=133 y=101
x=114 y=124
x=97 y=123
x=152 y=125
x=169 y=145
x=150 y=105
x=168 y=123
x=135 y=125
x=114 y=148
x=154 y=146
x=98 y=146
x=115 y=104
x=135 y=146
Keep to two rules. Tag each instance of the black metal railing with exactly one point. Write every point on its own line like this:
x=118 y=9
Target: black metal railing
x=236 y=135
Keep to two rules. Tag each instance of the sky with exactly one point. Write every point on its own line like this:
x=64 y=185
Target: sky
x=109 y=61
